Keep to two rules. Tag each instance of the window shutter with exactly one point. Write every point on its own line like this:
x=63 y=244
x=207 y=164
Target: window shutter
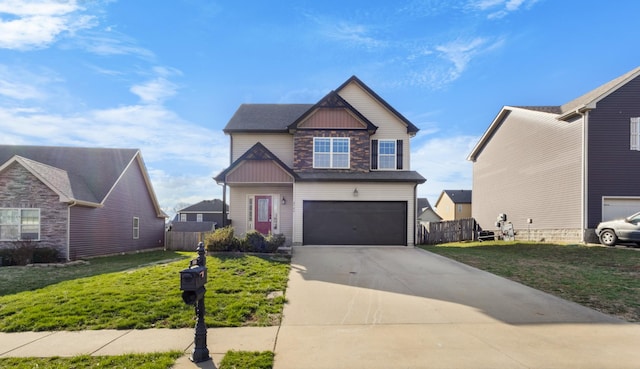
x=635 y=133
x=374 y=154
x=399 y=154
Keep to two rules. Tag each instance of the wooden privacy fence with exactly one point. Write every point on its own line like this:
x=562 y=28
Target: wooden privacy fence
x=183 y=241
x=447 y=231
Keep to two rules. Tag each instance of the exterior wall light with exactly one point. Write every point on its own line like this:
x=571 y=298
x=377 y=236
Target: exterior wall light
x=355 y=192
x=284 y=201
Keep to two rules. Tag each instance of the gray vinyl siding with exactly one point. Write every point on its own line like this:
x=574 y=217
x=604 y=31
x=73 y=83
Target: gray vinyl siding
x=613 y=169
x=109 y=230
x=530 y=168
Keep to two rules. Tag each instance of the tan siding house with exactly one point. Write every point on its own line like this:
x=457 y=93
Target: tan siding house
x=454 y=205
x=557 y=171
x=336 y=172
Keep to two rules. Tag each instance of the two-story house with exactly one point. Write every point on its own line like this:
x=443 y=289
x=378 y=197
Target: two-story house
x=332 y=173
x=557 y=171
x=454 y=204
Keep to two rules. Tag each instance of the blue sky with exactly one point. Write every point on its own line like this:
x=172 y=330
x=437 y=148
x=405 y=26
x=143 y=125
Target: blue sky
x=166 y=76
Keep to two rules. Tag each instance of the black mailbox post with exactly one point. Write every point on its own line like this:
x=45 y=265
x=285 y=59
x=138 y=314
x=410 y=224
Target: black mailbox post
x=192 y=281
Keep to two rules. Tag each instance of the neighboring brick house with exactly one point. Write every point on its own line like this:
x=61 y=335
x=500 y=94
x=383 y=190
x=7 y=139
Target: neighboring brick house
x=557 y=171
x=81 y=201
x=454 y=204
x=333 y=173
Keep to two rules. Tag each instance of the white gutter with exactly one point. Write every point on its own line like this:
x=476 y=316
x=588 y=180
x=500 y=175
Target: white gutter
x=585 y=173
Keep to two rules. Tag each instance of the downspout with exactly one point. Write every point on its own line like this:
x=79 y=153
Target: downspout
x=585 y=173
x=415 y=211
x=71 y=204
x=224 y=204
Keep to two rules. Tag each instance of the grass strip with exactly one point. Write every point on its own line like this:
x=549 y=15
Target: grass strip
x=247 y=360
x=604 y=279
x=139 y=361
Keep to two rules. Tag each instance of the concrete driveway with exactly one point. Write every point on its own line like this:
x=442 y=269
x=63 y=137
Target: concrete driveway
x=399 y=307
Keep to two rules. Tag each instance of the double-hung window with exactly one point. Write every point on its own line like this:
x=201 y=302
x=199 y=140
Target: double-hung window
x=331 y=152
x=634 y=131
x=19 y=224
x=386 y=154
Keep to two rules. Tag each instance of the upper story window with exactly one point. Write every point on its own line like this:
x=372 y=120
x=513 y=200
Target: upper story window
x=386 y=154
x=199 y=218
x=19 y=224
x=331 y=152
x=634 y=130
x=183 y=217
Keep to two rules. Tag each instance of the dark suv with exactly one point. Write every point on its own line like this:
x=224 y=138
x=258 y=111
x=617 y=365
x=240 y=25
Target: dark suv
x=625 y=230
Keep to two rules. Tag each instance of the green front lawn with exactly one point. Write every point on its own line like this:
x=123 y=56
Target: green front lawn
x=141 y=294
x=605 y=279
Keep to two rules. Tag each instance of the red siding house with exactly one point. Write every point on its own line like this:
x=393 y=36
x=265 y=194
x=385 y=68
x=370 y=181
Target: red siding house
x=81 y=201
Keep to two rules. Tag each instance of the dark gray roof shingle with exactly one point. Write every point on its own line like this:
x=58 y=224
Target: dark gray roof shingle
x=459 y=196
x=265 y=117
x=92 y=171
x=214 y=205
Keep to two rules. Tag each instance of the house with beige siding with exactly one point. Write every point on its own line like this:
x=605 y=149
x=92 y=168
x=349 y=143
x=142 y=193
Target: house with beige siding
x=82 y=202
x=557 y=171
x=454 y=204
x=336 y=172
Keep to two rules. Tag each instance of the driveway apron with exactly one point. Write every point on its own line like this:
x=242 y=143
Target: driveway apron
x=402 y=307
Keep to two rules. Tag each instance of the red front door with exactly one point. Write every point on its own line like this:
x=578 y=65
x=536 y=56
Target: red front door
x=263 y=214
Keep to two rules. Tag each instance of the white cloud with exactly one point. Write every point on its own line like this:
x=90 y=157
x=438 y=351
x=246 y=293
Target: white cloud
x=189 y=155
x=500 y=8
x=28 y=25
x=110 y=42
x=20 y=84
x=155 y=91
x=457 y=54
x=349 y=33
x=443 y=162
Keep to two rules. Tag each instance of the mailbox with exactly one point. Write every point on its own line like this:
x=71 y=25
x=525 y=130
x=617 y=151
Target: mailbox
x=193 y=278
x=192 y=297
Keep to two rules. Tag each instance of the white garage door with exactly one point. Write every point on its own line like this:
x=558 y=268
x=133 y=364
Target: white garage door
x=619 y=207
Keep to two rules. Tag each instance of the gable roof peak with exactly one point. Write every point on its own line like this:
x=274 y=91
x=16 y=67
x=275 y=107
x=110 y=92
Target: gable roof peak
x=411 y=128
x=588 y=100
x=333 y=100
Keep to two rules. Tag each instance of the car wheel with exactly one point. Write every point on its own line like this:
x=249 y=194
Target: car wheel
x=608 y=237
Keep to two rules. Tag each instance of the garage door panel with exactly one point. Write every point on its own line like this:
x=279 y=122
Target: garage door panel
x=354 y=222
x=619 y=207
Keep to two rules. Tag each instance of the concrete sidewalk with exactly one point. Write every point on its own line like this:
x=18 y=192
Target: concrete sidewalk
x=116 y=342
x=398 y=307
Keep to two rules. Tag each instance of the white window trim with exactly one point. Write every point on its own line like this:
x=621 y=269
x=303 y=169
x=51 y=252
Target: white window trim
x=395 y=155
x=199 y=217
x=331 y=139
x=634 y=134
x=19 y=224
x=183 y=217
x=136 y=228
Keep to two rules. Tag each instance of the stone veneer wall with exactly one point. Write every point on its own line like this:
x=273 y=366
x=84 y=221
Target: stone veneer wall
x=550 y=235
x=359 y=146
x=21 y=189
